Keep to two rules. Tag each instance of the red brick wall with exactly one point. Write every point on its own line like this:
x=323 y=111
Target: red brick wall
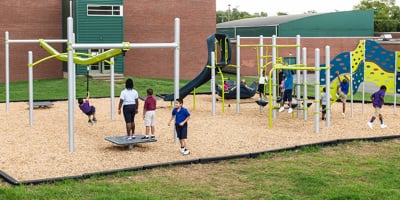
x=154 y=23
x=145 y=22
x=29 y=20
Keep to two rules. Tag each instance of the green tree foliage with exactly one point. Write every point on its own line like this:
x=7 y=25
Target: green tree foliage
x=386 y=16
x=235 y=14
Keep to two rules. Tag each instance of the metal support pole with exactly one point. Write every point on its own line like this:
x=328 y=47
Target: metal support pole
x=213 y=82
x=238 y=74
x=71 y=81
x=305 y=98
x=328 y=85
x=176 y=66
x=298 y=75
x=274 y=81
x=7 y=60
x=112 y=95
x=317 y=96
x=30 y=74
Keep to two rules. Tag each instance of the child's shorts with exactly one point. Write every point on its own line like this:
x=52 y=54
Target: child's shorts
x=129 y=113
x=323 y=109
x=287 y=95
x=181 y=131
x=92 y=111
x=260 y=88
x=150 y=118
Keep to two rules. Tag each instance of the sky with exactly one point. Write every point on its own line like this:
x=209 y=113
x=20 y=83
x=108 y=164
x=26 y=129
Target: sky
x=271 y=7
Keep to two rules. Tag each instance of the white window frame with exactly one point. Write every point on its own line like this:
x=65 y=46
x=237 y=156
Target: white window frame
x=110 y=12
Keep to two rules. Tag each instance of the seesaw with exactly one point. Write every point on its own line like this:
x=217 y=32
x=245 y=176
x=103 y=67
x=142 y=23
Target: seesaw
x=41 y=104
x=122 y=140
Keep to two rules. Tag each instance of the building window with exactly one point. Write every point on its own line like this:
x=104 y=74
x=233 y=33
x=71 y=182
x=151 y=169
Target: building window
x=104 y=10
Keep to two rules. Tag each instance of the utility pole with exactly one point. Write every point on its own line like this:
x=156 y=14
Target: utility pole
x=229 y=12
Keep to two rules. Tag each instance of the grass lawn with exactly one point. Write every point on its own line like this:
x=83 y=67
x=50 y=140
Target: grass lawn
x=357 y=170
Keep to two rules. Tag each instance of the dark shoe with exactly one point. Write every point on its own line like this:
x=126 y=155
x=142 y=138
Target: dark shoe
x=145 y=137
x=153 y=137
x=94 y=119
x=90 y=121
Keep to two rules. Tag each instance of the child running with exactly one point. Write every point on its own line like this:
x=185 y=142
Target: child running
x=377 y=102
x=181 y=116
x=342 y=91
x=86 y=108
x=149 y=114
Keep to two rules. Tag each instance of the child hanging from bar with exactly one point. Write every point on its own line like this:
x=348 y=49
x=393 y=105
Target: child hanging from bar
x=86 y=108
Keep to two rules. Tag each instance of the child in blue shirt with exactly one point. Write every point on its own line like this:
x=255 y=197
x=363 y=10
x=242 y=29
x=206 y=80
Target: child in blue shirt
x=181 y=116
x=287 y=93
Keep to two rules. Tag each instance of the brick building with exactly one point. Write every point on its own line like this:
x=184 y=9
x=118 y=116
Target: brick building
x=144 y=22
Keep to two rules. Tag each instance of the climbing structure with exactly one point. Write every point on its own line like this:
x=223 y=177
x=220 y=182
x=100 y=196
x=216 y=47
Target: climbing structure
x=369 y=62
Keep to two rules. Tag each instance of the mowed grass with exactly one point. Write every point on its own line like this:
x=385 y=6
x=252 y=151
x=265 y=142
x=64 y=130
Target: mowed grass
x=357 y=170
x=57 y=89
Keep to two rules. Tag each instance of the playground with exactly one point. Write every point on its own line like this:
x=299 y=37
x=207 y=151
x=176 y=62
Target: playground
x=41 y=151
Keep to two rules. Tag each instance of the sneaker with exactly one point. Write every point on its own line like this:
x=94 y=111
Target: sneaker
x=128 y=137
x=290 y=110
x=90 y=121
x=94 y=119
x=281 y=109
x=133 y=136
x=153 y=137
x=343 y=115
x=186 y=152
x=182 y=150
x=383 y=126
x=145 y=137
x=370 y=125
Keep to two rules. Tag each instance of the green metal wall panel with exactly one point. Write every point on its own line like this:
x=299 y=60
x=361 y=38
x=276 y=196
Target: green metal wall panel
x=266 y=31
x=229 y=31
x=357 y=23
x=98 y=29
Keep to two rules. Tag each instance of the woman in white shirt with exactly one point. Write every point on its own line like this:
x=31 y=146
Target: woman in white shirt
x=129 y=99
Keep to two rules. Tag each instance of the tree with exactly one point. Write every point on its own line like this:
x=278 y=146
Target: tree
x=386 y=16
x=235 y=14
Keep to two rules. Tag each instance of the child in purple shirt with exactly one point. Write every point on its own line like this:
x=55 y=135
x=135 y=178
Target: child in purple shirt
x=377 y=102
x=87 y=109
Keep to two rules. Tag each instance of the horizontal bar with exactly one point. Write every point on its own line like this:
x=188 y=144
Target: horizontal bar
x=37 y=41
x=124 y=45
